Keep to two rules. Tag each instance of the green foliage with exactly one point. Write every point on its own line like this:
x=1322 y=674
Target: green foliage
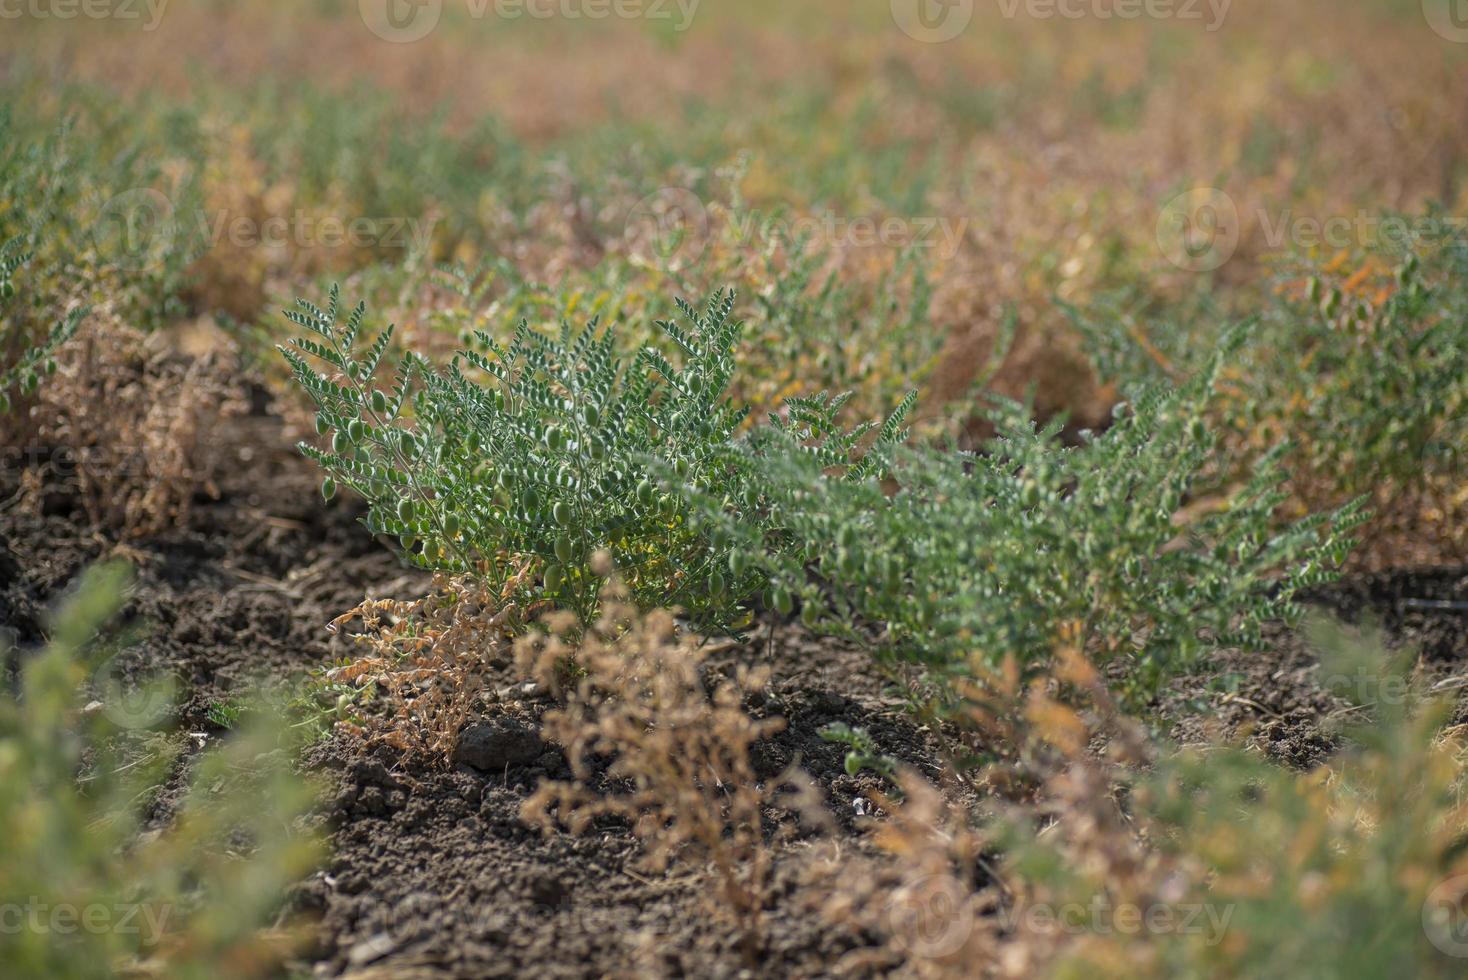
x=1031 y=544
x=811 y=325
x=87 y=890
x=1356 y=870
x=554 y=449
x=103 y=216
x=25 y=359
x=862 y=751
x=822 y=329
x=225 y=714
x=1363 y=367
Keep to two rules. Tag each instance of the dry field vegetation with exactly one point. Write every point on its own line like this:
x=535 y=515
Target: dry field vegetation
x=733 y=489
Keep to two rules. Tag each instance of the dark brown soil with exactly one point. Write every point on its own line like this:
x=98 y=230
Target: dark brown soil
x=432 y=873
x=239 y=595
x=435 y=871
x=1286 y=703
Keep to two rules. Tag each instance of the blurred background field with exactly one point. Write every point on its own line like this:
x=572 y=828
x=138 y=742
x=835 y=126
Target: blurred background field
x=1046 y=200
x=894 y=211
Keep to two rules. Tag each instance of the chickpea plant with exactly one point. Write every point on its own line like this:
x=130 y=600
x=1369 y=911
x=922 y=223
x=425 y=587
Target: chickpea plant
x=72 y=192
x=1029 y=544
x=22 y=362
x=79 y=806
x=1361 y=362
x=556 y=449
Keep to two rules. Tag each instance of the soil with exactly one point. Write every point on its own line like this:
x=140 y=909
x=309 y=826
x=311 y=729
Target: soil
x=1285 y=702
x=432 y=873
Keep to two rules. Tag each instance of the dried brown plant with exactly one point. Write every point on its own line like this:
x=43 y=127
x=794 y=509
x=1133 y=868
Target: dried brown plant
x=428 y=661
x=632 y=689
x=635 y=692
x=132 y=426
x=941 y=907
x=919 y=894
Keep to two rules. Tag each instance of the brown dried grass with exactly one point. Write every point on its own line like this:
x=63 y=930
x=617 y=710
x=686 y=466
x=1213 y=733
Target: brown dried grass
x=130 y=425
x=635 y=692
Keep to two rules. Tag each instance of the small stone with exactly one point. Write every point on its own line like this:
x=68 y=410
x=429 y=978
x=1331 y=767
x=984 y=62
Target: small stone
x=494 y=746
x=523 y=691
x=546 y=890
x=374 y=947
